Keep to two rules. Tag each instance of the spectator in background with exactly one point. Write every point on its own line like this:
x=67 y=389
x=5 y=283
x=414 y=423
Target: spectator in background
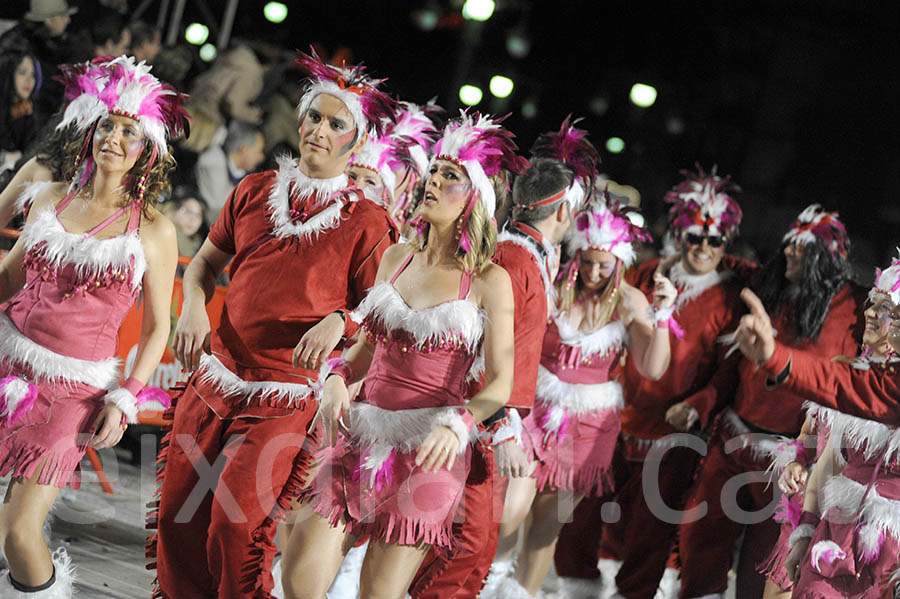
x=220 y=167
x=146 y=41
x=43 y=32
x=18 y=83
x=230 y=88
x=107 y=36
x=185 y=210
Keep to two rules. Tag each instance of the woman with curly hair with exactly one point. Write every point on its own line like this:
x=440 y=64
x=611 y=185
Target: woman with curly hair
x=90 y=246
x=397 y=472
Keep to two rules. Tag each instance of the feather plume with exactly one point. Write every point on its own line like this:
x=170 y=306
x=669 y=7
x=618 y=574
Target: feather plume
x=571 y=146
x=827 y=551
x=702 y=203
x=814 y=224
x=605 y=225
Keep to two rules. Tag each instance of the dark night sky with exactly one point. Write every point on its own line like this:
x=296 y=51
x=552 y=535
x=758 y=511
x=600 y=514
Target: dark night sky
x=798 y=101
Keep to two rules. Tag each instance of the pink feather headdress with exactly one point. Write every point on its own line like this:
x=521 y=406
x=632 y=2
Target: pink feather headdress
x=887 y=281
x=483 y=148
x=370 y=107
x=702 y=204
x=815 y=224
x=571 y=146
x=604 y=225
x=120 y=86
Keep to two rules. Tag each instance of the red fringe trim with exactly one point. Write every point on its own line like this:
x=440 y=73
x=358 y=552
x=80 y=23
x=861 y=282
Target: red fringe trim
x=773 y=566
x=22 y=459
x=591 y=481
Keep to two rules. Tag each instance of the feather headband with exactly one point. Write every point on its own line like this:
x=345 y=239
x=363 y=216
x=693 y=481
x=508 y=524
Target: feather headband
x=416 y=126
x=483 y=148
x=815 y=224
x=605 y=225
x=120 y=86
x=887 y=281
x=369 y=107
x=571 y=146
x=702 y=204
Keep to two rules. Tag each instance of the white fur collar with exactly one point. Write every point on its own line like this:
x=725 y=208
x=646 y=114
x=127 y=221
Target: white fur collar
x=690 y=286
x=429 y=326
x=290 y=183
x=90 y=256
x=608 y=338
x=530 y=244
x=866 y=436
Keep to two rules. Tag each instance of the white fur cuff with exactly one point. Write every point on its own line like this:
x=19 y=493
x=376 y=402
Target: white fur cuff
x=662 y=314
x=512 y=429
x=125 y=401
x=804 y=531
x=453 y=420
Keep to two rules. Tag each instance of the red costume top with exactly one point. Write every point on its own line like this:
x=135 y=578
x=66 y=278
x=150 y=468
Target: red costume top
x=303 y=248
x=871 y=393
x=779 y=409
x=707 y=306
x=525 y=255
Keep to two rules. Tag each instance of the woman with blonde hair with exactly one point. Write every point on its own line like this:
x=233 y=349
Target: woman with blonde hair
x=397 y=471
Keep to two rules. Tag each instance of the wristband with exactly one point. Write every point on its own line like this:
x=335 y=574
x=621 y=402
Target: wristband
x=468 y=419
x=132 y=385
x=336 y=366
x=808 y=518
x=803 y=531
x=125 y=398
x=664 y=319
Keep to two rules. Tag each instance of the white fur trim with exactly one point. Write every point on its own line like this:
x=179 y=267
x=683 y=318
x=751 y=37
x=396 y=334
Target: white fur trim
x=643 y=445
x=453 y=318
x=62 y=587
x=500 y=583
x=783 y=454
x=290 y=182
x=348 y=98
x=669 y=585
x=866 y=436
x=579 y=588
x=13 y=392
x=530 y=244
x=125 y=401
x=609 y=568
x=90 y=256
x=577 y=398
x=29 y=192
x=277 y=591
x=804 y=531
x=887 y=279
x=231 y=385
x=346 y=583
x=691 y=286
x=477 y=368
x=605 y=340
x=820 y=549
x=761 y=445
x=661 y=314
x=512 y=429
x=47 y=365
x=844 y=495
x=404 y=430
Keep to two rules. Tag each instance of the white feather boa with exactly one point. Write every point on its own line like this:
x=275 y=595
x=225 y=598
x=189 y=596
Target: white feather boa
x=866 y=436
x=577 y=398
x=382 y=431
x=454 y=318
x=691 y=286
x=608 y=338
x=89 y=255
x=290 y=183
x=531 y=246
x=47 y=365
x=231 y=385
x=879 y=514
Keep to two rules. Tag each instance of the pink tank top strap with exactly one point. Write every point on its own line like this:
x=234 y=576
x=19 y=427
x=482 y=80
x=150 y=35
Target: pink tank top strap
x=70 y=195
x=134 y=220
x=465 y=284
x=111 y=219
x=403 y=266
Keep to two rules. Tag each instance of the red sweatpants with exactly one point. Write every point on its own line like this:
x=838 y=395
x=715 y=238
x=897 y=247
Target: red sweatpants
x=221 y=544
x=462 y=575
x=739 y=498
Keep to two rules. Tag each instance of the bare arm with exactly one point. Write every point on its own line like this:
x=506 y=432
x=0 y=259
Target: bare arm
x=648 y=344
x=31 y=172
x=198 y=285
x=12 y=269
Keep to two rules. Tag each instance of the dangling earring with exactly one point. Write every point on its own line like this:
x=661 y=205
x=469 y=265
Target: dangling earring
x=459 y=229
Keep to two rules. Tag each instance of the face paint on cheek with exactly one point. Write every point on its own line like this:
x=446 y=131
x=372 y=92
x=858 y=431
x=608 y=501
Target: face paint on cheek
x=346 y=141
x=133 y=148
x=458 y=191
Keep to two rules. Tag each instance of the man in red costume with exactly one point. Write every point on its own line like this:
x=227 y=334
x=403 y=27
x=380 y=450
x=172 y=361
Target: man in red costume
x=544 y=198
x=703 y=219
x=817 y=310
x=305 y=246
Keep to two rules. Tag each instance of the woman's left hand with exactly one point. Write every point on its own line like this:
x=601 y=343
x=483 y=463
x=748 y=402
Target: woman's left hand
x=108 y=428
x=438 y=449
x=664 y=292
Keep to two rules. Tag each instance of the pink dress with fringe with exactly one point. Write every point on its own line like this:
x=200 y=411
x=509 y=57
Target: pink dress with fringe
x=575 y=421
x=58 y=338
x=418 y=379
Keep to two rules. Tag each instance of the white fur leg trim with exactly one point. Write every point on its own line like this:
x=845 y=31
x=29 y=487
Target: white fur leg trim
x=497 y=578
x=346 y=583
x=63 y=585
x=669 y=584
x=125 y=401
x=47 y=365
x=277 y=591
x=804 y=531
x=578 y=399
x=231 y=385
x=404 y=430
x=579 y=588
x=609 y=568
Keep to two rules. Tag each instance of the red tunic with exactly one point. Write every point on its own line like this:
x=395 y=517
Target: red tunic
x=281 y=287
x=698 y=372
x=530 y=317
x=780 y=409
x=873 y=394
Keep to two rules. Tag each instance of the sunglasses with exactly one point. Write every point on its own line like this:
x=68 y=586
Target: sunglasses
x=714 y=241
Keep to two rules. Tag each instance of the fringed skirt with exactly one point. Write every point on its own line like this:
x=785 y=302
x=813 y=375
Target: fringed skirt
x=576 y=455
x=51 y=433
x=788 y=513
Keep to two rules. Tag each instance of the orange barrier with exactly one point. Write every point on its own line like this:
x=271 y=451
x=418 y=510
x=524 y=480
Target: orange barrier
x=168 y=372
